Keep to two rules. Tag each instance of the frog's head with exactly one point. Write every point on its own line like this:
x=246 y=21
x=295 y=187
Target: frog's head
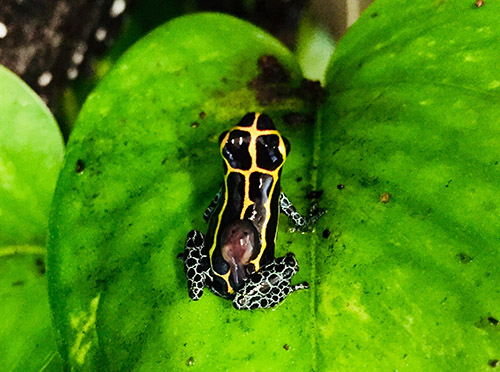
x=254 y=144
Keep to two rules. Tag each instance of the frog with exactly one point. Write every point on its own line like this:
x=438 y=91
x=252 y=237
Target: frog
x=235 y=259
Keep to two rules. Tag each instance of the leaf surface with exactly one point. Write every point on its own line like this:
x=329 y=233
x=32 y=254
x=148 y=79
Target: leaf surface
x=142 y=164
x=411 y=130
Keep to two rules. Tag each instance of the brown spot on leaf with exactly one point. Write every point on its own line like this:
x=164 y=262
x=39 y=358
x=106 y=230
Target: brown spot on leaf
x=493 y=363
x=271 y=70
x=312 y=91
x=271 y=85
x=297 y=118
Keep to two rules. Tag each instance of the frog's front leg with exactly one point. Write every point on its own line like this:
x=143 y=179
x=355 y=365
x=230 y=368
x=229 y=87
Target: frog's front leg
x=196 y=264
x=298 y=220
x=213 y=204
x=270 y=285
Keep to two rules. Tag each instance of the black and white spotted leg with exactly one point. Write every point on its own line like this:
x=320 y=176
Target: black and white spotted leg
x=213 y=204
x=300 y=222
x=270 y=285
x=196 y=264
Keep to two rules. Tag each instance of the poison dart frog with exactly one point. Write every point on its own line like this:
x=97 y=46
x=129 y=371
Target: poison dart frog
x=235 y=259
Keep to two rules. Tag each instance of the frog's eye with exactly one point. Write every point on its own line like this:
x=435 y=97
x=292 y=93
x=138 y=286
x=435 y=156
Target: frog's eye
x=269 y=156
x=287 y=145
x=235 y=150
x=222 y=135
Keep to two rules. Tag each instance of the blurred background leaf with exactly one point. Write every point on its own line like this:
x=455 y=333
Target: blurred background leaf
x=31 y=152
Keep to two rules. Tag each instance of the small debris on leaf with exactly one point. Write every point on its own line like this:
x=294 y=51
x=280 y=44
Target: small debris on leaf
x=40 y=265
x=385 y=197
x=286 y=347
x=464 y=258
x=493 y=320
x=340 y=186
x=80 y=166
x=493 y=363
x=479 y=3
x=195 y=124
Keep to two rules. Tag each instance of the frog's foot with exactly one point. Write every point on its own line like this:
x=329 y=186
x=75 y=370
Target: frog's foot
x=314 y=214
x=301 y=223
x=196 y=264
x=270 y=285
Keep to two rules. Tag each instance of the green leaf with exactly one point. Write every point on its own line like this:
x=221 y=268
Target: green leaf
x=31 y=153
x=141 y=166
x=414 y=111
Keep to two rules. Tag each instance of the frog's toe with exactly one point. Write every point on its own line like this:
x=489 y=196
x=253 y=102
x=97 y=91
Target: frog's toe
x=195 y=291
x=298 y=287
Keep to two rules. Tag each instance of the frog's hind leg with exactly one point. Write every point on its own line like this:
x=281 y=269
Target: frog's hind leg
x=269 y=286
x=196 y=264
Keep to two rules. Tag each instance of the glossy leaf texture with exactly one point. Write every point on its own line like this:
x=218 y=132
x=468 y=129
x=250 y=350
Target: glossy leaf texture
x=411 y=134
x=141 y=166
x=31 y=153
